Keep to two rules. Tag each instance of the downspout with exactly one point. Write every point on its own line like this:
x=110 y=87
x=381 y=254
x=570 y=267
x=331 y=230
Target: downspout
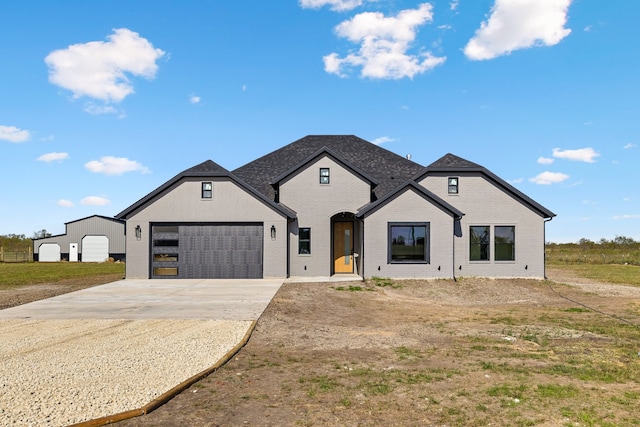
x=453 y=258
x=544 y=243
x=362 y=250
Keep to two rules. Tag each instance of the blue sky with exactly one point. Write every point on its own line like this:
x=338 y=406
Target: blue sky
x=102 y=102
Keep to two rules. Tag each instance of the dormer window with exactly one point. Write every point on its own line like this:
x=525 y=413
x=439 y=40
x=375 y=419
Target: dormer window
x=207 y=190
x=453 y=185
x=324 y=175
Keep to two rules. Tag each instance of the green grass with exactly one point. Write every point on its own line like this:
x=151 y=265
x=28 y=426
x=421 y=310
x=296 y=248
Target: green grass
x=21 y=274
x=351 y=288
x=611 y=273
x=382 y=282
x=571 y=253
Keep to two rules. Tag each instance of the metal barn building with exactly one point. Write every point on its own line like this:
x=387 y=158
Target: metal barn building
x=91 y=239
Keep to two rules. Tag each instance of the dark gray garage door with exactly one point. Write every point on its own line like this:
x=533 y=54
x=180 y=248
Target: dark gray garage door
x=207 y=251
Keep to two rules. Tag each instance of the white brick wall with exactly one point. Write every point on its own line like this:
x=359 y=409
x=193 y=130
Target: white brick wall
x=408 y=207
x=315 y=204
x=483 y=203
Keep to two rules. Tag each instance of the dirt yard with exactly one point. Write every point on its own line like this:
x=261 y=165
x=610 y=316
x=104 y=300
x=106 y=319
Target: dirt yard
x=26 y=294
x=475 y=352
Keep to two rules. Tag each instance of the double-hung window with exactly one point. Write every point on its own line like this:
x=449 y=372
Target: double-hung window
x=452 y=184
x=207 y=190
x=408 y=242
x=479 y=240
x=324 y=176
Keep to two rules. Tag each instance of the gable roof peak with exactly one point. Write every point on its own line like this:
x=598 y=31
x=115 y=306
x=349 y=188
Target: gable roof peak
x=382 y=165
x=208 y=167
x=452 y=161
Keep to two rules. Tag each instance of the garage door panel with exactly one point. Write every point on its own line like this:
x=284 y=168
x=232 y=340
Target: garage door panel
x=95 y=248
x=49 y=252
x=219 y=251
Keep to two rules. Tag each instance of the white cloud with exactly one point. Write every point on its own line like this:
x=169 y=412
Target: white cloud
x=587 y=155
x=545 y=160
x=65 y=203
x=50 y=157
x=95 y=201
x=244 y=88
x=99 y=69
x=519 y=24
x=454 y=4
x=636 y=216
x=336 y=5
x=516 y=181
x=546 y=178
x=110 y=165
x=194 y=99
x=384 y=42
x=382 y=140
x=96 y=110
x=629 y=145
x=13 y=134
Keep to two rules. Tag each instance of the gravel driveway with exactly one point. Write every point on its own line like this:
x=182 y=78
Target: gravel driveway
x=67 y=368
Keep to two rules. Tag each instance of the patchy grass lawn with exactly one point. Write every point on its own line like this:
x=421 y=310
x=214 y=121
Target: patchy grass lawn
x=610 y=273
x=472 y=352
x=23 y=274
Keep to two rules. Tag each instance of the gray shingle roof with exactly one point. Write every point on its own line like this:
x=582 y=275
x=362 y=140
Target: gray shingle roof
x=449 y=161
x=387 y=168
x=336 y=157
x=206 y=169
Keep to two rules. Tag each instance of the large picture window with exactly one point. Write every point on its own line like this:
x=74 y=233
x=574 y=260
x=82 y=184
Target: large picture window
x=409 y=242
x=505 y=243
x=304 y=241
x=479 y=238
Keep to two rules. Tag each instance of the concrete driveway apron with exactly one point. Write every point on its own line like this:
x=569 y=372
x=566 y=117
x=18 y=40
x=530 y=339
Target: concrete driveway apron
x=216 y=299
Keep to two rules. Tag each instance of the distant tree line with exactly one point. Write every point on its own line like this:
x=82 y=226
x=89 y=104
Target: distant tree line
x=621 y=242
x=20 y=242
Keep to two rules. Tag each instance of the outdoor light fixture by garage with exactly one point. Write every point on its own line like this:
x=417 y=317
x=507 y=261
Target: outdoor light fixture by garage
x=273 y=232
x=138 y=232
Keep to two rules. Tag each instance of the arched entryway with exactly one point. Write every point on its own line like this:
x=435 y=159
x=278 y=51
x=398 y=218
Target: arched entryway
x=345 y=243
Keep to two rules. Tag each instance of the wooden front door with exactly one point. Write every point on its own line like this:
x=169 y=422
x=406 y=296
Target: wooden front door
x=343 y=247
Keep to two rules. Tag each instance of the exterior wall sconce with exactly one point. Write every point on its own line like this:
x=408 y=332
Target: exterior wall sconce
x=273 y=232
x=138 y=232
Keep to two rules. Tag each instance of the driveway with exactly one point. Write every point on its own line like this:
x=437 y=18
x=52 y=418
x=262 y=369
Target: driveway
x=117 y=347
x=205 y=299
